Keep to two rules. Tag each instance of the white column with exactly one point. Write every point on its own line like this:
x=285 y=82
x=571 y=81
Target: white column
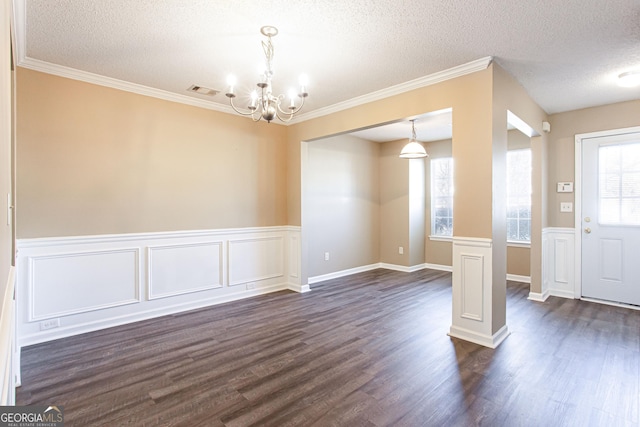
x=472 y=294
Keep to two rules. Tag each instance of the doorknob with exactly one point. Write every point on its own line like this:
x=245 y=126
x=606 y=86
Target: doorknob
x=587 y=230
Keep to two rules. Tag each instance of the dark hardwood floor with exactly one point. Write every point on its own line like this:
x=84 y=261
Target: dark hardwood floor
x=367 y=350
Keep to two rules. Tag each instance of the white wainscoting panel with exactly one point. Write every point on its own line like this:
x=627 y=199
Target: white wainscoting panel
x=472 y=286
x=251 y=260
x=472 y=292
x=77 y=282
x=179 y=269
x=559 y=262
x=71 y=285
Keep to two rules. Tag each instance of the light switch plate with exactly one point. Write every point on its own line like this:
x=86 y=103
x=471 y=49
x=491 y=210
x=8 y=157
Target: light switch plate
x=566 y=207
x=565 y=187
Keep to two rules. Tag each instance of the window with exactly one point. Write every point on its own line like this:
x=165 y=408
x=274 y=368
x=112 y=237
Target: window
x=519 y=195
x=619 y=184
x=442 y=197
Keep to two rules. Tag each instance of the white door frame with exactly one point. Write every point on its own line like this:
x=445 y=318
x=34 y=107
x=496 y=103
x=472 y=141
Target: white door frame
x=578 y=197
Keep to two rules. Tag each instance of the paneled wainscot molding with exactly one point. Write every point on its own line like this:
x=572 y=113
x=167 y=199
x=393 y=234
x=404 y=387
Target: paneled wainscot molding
x=558 y=264
x=72 y=285
x=472 y=292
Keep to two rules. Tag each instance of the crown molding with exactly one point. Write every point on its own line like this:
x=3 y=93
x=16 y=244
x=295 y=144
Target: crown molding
x=431 y=79
x=97 y=79
x=20 y=19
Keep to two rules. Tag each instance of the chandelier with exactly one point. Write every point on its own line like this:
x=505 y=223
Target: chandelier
x=413 y=149
x=264 y=104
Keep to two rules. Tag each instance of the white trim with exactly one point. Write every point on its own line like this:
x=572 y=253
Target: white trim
x=491 y=341
x=431 y=79
x=97 y=79
x=202 y=287
x=437 y=238
x=108 y=238
x=403 y=268
x=24 y=61
x=342 y=273
x=539 y=297
x=518 y=278
x=561 y=293
x=295 y=287
x=439 y=267
x=32 y=261
x=231 y=281
x=578 y=197
x=611 y=303
x=384 y=265
x=481 y=242
x=559 y=259
x=515 y=244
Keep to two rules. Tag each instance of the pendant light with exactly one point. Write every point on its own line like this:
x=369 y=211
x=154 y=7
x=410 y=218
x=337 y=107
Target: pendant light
x=413 y=150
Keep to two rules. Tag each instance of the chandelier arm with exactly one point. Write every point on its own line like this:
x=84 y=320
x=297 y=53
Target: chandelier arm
x=285 y=120
x=295 y=110
x=247 y=113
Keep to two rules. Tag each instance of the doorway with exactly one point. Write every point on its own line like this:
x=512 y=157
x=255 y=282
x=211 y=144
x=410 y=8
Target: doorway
x=608 y=216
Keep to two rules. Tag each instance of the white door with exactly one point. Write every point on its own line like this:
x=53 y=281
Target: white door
x=611 y=218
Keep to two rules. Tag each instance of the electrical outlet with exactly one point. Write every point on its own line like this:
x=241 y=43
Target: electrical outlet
x=566 y=207
x=326 y=256
x=251 y=286
x=49 y=324
x=400 y=250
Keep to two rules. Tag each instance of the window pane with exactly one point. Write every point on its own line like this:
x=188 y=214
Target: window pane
x=512 y=229
x=519 y=195
x=524 y=230
x=619 y=184
x=442 y=197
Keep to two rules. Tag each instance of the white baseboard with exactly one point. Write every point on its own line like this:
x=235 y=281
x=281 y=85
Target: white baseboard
x=403 y=268
x=439 y=267
x=539 y=297
x=394 y=267
x=561 y=293
x=517 y=278
x=342 y=273
x=491 y=341
x=298 y=288
x=611 y=303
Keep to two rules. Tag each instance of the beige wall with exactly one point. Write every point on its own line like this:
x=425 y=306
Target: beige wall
x=417 y=210
x=561 y=160
x=342 y=211
x=394 y=204
x=95 y=160
x=519 y=261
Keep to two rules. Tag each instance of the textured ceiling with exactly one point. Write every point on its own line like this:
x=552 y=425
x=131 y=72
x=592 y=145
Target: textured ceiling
x=566 y=53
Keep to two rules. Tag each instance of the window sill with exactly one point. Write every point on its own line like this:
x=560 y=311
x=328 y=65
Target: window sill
x=516 y=244
x=441 y=238
x=510 y=243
